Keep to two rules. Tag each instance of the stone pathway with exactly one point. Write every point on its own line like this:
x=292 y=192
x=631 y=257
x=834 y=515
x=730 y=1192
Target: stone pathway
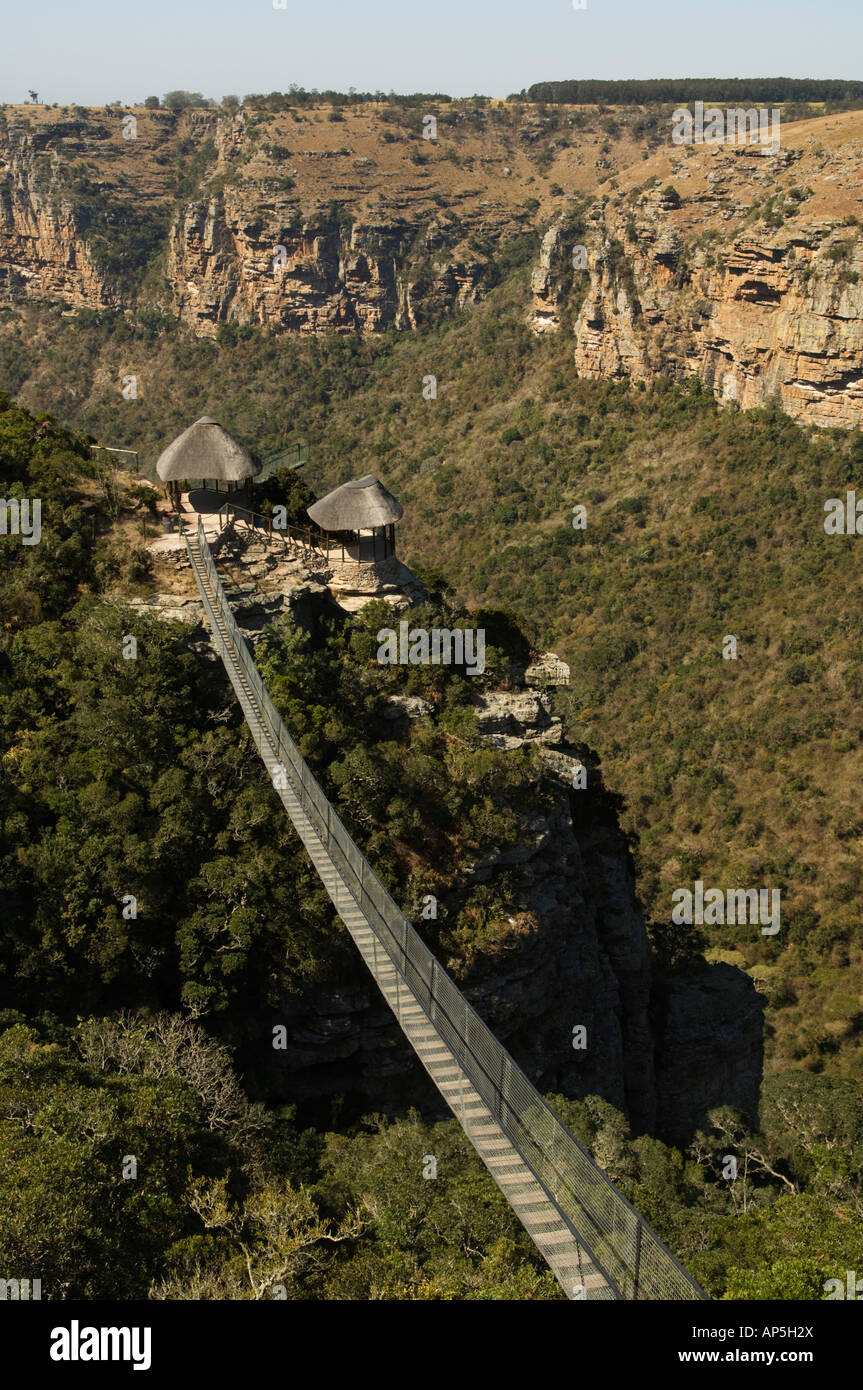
x=199 y=503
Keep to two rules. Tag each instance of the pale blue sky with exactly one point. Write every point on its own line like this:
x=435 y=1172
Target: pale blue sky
x=96 y=51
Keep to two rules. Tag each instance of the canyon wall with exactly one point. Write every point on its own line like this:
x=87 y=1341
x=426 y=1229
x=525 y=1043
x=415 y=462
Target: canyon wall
x=744 y=269
x=220 y=222
x=738 y=265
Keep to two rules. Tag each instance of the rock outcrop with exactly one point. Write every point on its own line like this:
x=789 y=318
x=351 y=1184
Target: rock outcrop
x=266 y=575
x=509 y=719
x=745 y=270
x=574 y=954
x=353 y=586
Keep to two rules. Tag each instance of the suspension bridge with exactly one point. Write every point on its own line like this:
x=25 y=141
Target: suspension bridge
x=591 y=1237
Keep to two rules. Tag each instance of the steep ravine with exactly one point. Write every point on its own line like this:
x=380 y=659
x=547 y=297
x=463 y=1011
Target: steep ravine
x=662 y=1048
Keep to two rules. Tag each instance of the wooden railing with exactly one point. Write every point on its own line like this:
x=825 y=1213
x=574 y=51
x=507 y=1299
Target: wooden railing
x=303 y=536
x=309 y=538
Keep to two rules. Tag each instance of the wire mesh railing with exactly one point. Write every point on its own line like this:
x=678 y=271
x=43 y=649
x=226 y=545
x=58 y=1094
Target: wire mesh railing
x=630 y=1255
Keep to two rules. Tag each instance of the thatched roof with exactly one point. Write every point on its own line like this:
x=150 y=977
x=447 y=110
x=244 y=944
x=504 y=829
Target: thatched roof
x=356 y=506
x=205 y=450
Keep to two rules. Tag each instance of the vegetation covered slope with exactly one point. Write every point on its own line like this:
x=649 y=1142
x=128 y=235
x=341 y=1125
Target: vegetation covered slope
x=141 y=859
x=701 y=523
x=118 y=776
x=134 y=1165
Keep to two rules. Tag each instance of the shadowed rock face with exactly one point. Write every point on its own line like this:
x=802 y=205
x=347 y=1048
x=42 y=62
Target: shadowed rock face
x=709 y=1044
x=664 y=1052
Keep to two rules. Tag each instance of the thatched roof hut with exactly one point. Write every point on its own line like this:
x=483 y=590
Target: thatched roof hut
x=358 y=506
x=362 y=505
x=205 y=450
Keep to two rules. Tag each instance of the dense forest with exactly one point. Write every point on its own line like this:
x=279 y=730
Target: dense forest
x=680 y=90
x=130 y=1037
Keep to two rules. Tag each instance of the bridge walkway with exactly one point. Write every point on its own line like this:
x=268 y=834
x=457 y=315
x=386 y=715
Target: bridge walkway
x=548 y=1180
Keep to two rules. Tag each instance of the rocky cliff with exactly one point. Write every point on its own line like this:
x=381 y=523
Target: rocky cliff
x=297 y=221
x=734 y=264
x=575 y=956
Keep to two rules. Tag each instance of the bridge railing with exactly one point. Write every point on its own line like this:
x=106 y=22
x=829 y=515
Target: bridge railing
x=631 y=1255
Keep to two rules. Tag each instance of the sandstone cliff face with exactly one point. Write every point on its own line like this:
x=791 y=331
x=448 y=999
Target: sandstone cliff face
x=313 y=238
x=746 y=274
x=227 y=268
x=745 y=269
x=45 y=158
x=43 y=251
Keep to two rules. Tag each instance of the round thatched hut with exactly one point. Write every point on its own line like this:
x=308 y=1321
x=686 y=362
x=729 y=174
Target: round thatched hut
x=207 y=452
x=360 y=516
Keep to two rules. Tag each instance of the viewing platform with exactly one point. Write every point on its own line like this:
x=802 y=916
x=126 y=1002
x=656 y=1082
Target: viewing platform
x=198 y=504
